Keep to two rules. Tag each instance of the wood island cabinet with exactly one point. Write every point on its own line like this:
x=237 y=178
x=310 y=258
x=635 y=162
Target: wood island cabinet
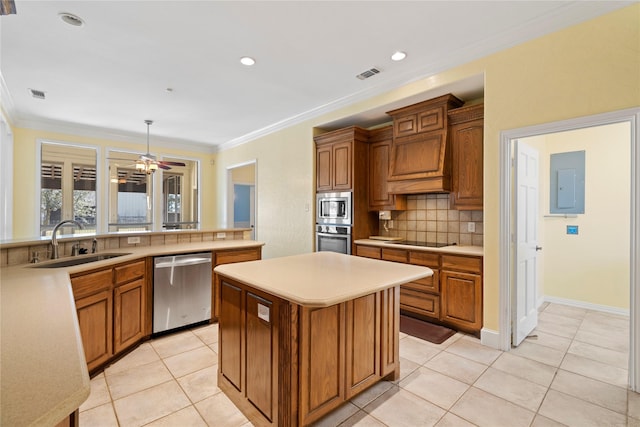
x=452 y=296
x=286 y=364
x=467 y=129
x=228 y=257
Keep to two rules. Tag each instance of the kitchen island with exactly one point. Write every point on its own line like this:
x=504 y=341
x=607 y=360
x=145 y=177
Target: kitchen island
x=301 y=335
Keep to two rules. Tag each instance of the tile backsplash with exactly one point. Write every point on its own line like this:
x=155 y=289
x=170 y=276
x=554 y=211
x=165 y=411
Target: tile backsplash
x=16 y=254
x=429 y=219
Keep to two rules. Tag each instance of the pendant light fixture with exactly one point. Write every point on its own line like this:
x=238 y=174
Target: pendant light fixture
x=147 y=163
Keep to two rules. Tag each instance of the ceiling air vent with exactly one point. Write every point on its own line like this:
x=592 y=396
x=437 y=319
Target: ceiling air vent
x=37 y=93
x=369 y=73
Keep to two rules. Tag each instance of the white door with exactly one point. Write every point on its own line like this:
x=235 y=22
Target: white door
x=526 y=286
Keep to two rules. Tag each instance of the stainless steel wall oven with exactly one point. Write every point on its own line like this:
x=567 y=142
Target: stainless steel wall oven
x=334 y=238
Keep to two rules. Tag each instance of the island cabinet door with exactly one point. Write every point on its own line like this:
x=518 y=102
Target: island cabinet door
x=231 y=344
x=262 y=354
x=322 y=355
x=362 y=343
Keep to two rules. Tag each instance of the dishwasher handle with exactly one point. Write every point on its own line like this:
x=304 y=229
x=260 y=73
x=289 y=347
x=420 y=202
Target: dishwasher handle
x=168 y=262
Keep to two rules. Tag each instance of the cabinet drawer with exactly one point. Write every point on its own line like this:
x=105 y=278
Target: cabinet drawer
x=427 y=284
x=128 y=272
x=91 y=283
x=397 y=255
x=419 y=302
x=427 y=259
x=462 y=263
x=228 y=257
x=368 y=252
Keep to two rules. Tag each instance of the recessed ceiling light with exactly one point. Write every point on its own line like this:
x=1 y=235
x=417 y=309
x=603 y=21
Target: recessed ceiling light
x=247 y=60
x=398 y=56
x=71 y=19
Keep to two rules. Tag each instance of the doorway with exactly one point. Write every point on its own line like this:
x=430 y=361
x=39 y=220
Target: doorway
x=508 y=277
x=241 y=201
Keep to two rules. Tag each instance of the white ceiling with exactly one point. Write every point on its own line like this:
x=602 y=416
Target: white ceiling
x=107 y=77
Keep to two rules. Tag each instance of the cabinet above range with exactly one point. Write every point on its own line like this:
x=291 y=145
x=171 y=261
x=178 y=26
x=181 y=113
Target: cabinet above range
x=420 y=154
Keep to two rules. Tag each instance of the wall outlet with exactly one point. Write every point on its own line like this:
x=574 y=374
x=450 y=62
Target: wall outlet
x=133 y=240
x=221 y=235
x=471 y=227
x=390 y=223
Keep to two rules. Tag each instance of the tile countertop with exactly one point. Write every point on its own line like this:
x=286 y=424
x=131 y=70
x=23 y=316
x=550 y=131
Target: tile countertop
x=453 y=249
x=321 y=279
x=43 y=371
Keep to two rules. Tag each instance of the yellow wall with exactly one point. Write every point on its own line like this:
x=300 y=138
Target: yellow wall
x=592 y=267
x=25 y=209
x=586 y=69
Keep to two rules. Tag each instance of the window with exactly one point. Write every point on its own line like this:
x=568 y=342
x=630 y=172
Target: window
x=67 y=187
x=130 y=194
x=180 y=195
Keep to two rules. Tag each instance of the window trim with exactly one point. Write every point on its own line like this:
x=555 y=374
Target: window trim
x=38 y=177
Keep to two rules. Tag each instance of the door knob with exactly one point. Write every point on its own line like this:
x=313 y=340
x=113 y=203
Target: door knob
x=538 y=248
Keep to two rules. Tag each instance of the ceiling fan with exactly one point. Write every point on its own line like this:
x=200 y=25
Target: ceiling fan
x=148 y=163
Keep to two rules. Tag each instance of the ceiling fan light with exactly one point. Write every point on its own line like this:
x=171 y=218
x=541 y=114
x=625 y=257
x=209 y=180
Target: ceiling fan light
x=153 y=167
x=140 y=165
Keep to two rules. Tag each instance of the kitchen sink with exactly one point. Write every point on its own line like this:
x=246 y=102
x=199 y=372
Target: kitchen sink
x=68 y=262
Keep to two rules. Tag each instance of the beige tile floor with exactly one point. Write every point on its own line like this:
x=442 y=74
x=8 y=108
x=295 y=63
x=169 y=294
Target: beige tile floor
x=574 y=373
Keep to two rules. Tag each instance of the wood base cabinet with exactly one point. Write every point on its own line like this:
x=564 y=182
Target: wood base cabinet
x=461 y=286
x=288 y=365
x=452 y=296
x=129 y=305
x=111 y=305
x=95 y=321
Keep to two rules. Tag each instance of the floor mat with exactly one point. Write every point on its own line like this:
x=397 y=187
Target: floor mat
x=424 y=330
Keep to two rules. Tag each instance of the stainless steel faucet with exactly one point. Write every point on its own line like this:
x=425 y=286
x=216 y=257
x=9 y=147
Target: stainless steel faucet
x=54 y=235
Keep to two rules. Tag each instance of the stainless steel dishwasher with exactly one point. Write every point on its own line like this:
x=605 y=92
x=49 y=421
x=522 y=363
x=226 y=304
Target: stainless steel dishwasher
x=181 y=290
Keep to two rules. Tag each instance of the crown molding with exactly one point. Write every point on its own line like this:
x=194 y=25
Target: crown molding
x=6 y=101
x=113 y=135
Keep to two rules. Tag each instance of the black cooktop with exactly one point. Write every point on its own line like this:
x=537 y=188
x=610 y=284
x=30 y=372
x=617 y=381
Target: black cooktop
x=423 y=244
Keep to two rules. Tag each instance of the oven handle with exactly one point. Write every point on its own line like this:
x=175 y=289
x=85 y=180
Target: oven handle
x=339 y=236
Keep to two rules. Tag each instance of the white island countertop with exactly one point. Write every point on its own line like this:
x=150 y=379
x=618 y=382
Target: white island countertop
x=43 y=371
x=322 y=279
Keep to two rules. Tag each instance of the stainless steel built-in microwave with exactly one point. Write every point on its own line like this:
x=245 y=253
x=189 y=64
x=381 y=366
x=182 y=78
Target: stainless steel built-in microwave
x=334 y=208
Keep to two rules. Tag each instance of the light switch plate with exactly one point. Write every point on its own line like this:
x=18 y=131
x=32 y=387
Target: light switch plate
x=221 y=235
x=471 y=227
x=572 y=229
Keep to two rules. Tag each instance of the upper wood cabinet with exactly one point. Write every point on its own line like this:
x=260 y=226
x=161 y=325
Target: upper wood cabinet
x=337 y=153
x=420 y=157
x=379 y=156
x=466 y=129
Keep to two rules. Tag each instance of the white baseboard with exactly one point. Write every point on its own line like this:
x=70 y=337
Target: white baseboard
x=490 y=338
x=587 y=305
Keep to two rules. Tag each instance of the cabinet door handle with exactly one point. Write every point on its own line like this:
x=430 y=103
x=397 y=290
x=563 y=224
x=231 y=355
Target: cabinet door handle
x=538 y=248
